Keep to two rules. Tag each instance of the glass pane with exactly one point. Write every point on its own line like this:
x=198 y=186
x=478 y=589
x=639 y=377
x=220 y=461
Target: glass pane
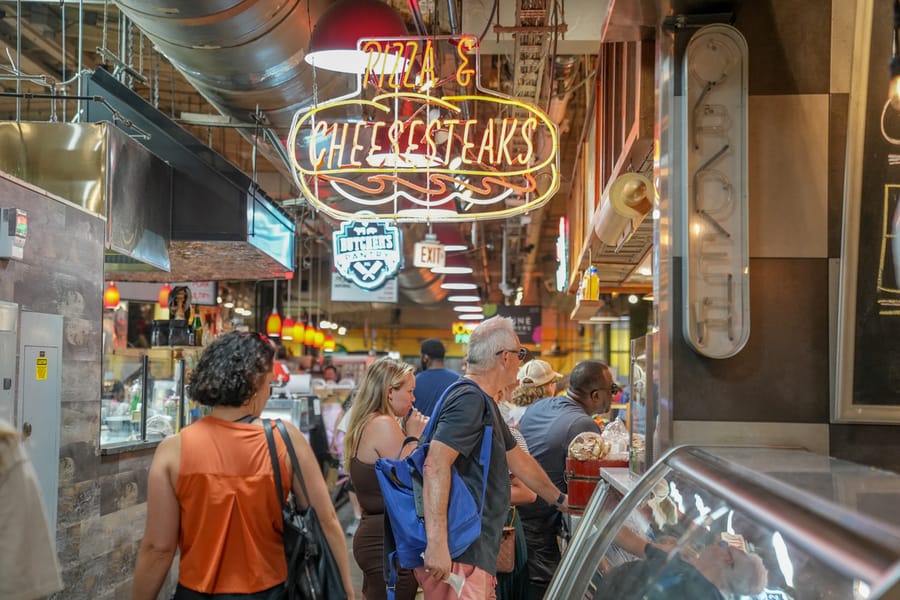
x=684 y=542
x=120 y=405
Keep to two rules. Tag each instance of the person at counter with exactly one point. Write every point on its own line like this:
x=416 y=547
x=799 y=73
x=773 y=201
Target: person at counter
x=549 y=425
x=210 y=487
x=717 y=571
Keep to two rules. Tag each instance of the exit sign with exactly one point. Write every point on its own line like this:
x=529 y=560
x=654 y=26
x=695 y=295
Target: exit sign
x=428 y=255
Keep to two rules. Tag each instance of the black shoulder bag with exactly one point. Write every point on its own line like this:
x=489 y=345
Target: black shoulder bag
x=312 y=570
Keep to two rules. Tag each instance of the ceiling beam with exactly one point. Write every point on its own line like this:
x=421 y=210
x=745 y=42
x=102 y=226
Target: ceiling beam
x=49 y=44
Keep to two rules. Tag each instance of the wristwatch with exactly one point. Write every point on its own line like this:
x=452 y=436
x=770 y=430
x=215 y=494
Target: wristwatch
x=561 y=500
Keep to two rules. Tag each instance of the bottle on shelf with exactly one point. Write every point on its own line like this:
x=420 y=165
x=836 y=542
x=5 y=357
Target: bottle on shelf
x=197 y=331
x=593 y=287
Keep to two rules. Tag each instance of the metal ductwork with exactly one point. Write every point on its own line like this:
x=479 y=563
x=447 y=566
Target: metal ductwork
x=245 y=58
x=241 y=55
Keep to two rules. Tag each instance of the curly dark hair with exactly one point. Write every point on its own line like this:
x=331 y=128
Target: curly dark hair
x=231 y=369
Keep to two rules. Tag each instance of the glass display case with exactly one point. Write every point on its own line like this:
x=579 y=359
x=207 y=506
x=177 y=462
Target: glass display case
x=721 y=522
x=156 y=374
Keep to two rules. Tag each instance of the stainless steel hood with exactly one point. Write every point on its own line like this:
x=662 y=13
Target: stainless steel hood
x=101 y=169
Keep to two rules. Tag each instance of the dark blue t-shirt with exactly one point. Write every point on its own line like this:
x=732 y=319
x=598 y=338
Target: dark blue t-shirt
x=430 y=384
x=548 y=426
x=460 y=425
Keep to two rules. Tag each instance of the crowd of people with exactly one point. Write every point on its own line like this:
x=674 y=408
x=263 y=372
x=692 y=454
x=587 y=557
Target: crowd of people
x=210 y=487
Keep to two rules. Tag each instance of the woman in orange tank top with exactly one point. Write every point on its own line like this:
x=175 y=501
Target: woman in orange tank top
x=210 y=493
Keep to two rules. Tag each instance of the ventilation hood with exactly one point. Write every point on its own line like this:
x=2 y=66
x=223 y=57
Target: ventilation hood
x=222 y=226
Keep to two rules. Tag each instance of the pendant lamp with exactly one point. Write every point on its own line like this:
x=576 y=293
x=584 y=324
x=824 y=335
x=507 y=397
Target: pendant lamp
x=332 y=45
x=319 y=339
x=329 y=345
x=111 y=295
x=273 y=322
x=309 y=336
x=299 y=331
x=163 y=298
x=287 y=326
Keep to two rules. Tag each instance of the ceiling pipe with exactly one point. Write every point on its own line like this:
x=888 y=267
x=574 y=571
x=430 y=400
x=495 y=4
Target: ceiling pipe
x=561 y=92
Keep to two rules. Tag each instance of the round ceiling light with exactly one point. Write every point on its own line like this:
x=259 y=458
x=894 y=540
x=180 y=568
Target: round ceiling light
x=471 y=317
x=332 y=45
x=464 y=298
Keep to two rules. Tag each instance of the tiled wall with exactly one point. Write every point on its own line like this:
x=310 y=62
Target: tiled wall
x=799 y=81
x=102 y=500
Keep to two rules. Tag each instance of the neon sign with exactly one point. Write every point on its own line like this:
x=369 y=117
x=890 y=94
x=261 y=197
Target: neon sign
x=417 y=153
x=367 y=254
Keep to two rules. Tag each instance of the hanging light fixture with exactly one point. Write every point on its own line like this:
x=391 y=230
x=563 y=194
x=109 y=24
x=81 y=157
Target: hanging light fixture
x=309 y=336
x=329 y=345
x=111 y=295
x=332 y=45
x=299 y=333
x=287 y=326
x=163 y=298
x=273 y=321
x=319 y=339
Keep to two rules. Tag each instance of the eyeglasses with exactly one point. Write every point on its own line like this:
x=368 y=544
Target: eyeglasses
x=521 y=353
x=613 y=389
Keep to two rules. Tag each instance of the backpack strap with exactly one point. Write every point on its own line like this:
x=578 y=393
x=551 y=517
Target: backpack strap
x=484 y=455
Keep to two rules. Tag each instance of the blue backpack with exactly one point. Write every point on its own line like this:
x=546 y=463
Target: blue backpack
x=400 y=481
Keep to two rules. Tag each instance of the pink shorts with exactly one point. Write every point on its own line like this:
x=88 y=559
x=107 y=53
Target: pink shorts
x=480 y=585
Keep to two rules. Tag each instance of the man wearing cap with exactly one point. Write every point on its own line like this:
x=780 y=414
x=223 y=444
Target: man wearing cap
x=549 y=425
x=434 y=378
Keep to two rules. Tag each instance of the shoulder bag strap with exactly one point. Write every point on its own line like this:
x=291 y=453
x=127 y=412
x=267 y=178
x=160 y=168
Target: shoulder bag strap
x=295 y=464
x=276 y=468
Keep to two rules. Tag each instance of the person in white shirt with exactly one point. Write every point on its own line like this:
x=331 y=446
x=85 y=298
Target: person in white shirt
x=28 y=564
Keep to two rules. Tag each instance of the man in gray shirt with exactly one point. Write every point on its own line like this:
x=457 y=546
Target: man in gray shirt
x=549 y=425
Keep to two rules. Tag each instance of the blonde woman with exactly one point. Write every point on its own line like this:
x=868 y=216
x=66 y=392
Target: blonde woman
x=537 y=380
x=379 y=427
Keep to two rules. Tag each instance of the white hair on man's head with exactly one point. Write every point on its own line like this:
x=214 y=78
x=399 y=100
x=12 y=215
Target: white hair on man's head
x=748 y=577
x=486 y=340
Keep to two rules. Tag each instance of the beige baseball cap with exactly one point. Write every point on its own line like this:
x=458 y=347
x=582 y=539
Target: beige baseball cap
x=537 y=372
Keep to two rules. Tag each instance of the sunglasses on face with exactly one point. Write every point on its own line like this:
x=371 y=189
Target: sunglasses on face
x=521 y=353
x=613 y=389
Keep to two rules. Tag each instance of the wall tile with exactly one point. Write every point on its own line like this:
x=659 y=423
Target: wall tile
x=843 y=18
x=780 y=375
x=788 y=176
x=78 y=502
x=123 y=490
x=789 y=43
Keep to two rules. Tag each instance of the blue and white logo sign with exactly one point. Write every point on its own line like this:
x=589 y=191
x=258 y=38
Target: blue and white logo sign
x=367 y=253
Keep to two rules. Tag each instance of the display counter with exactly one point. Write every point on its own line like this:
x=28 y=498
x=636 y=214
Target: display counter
x=143 y=394
x=721 y=522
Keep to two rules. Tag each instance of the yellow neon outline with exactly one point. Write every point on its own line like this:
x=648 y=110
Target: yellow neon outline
x=551 y=126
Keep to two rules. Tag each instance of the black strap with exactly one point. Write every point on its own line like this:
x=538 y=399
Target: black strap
x=295 y=464
x=246 y=419
x=276 y=468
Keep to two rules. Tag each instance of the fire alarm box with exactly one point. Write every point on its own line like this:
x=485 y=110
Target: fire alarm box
x=13 y=231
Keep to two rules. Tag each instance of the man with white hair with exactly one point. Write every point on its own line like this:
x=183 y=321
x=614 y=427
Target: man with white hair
x=492 y=364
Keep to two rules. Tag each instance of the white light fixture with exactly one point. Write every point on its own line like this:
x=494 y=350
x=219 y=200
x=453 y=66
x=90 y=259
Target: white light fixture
x=452 y=270
x=455 y=247
x=471 y=317
x=458 y=285
x=464 y=298
x=332 y=45
x=468 y=309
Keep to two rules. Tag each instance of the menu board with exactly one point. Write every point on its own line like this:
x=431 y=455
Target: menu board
x=868 y=365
